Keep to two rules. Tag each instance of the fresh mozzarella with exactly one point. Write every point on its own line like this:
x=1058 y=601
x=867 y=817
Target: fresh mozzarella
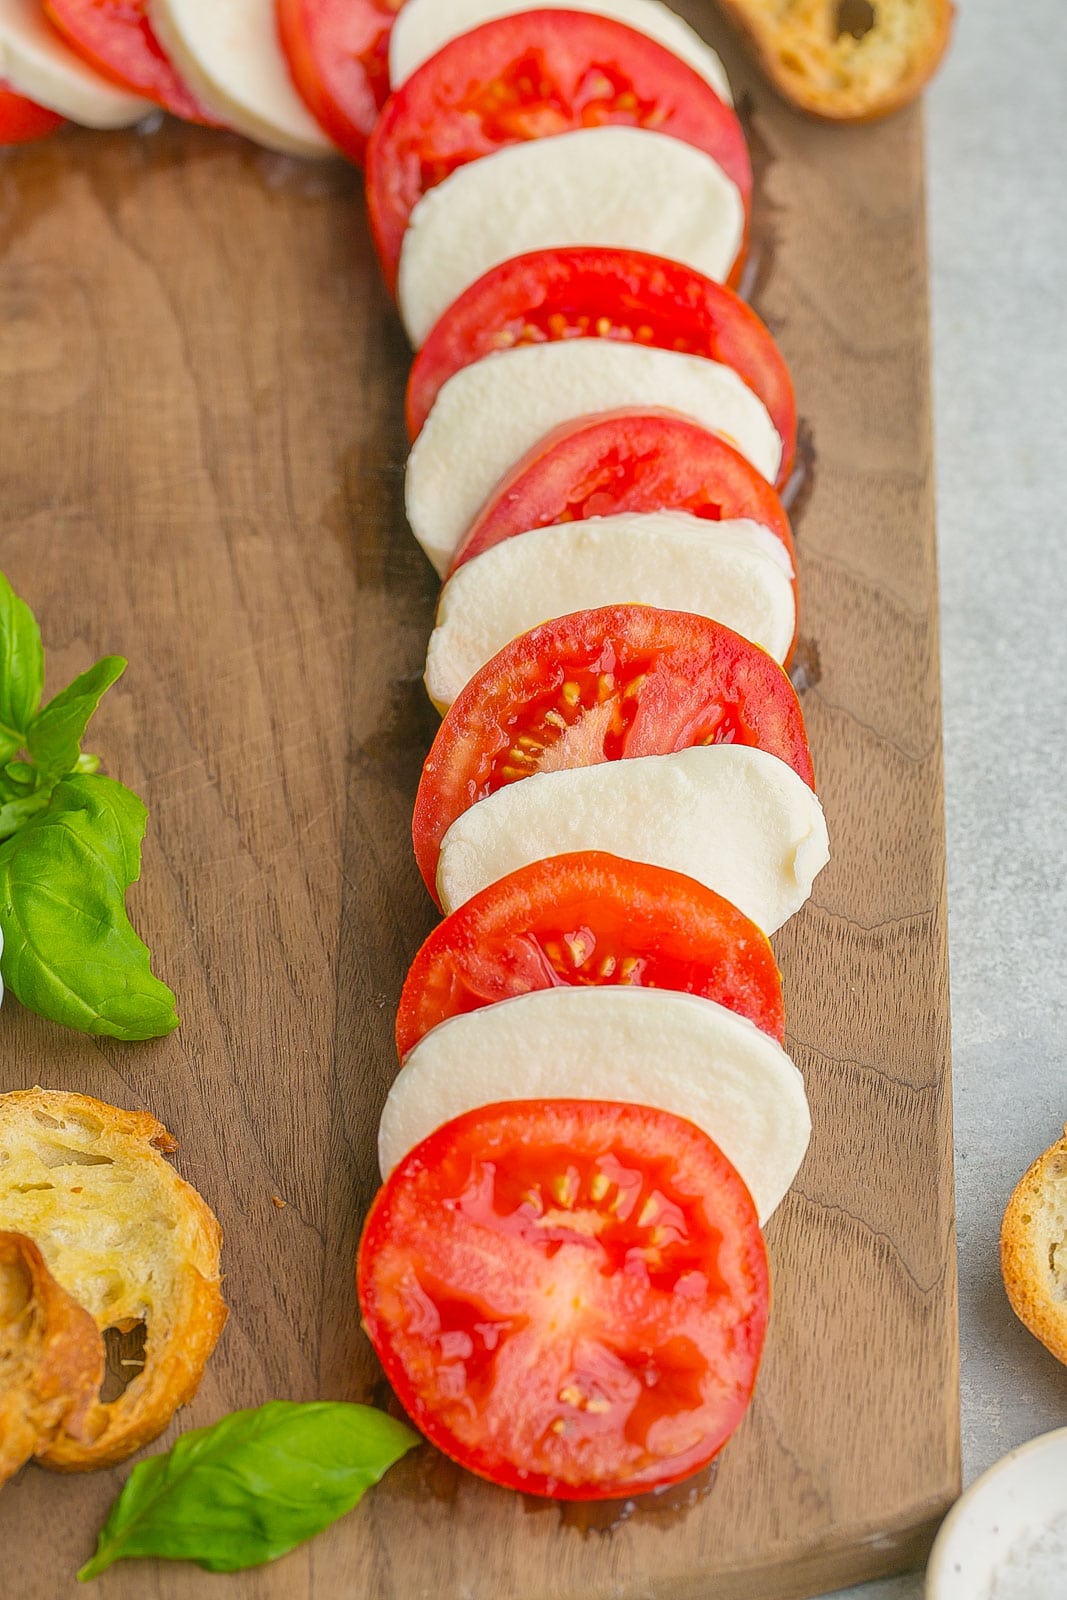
x=229 y=54
x=488 y=415
x=610 y=186
x=37 y=63
x=423 y=26
x=649 y=1047
x=733 y=817
x=736 y=572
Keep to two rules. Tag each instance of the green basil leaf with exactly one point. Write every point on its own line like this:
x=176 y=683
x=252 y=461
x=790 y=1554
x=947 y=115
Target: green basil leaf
x=54 y=736
x=251 y=1487
x=17 y=811
x=21 y=669
x=69 y=950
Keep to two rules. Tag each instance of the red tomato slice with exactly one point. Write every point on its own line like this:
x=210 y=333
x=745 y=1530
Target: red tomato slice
x=602 y=686
x=591 y=918
x=338 y=54
x=592 y=291
x=22 y=120
x=116 y=37
x=627 y=460
x=569 y=1297
x=526 y=76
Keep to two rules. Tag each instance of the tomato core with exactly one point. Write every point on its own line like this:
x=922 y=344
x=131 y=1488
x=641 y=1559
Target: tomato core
x=586 y=718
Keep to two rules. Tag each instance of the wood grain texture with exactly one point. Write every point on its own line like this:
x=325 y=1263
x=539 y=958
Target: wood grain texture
x=201 y=412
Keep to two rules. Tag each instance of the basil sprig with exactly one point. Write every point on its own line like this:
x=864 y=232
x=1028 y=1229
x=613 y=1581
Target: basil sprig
x=21 y=669
x=251 y=1487
x=70 y=847
x=69 y=950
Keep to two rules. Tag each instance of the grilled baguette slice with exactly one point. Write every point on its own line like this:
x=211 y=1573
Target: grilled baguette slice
x=128 y=1239
x=1033 y=1249
x=51 y=1357
x=846 y=60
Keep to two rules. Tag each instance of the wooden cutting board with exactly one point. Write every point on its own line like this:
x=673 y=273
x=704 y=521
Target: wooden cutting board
x=201 y=390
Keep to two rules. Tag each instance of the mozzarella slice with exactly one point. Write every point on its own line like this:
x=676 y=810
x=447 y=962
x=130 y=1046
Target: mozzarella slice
x=609 y=186
x=736 y=572
x=229 y=54
x=488 y=415
x=423 y=26
x=733 y=817
x=649 y=1047
x=37 y=63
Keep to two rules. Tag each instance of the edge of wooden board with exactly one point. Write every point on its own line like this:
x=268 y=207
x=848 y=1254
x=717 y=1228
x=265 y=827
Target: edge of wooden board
x=237 y=531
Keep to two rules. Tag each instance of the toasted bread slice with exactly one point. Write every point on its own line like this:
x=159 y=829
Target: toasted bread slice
x=1033 y=1249
x=846 y=60
x=123 y=1234
x=51 y=1357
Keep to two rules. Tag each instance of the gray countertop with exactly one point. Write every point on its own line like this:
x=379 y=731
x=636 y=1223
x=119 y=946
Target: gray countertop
x=997 y=176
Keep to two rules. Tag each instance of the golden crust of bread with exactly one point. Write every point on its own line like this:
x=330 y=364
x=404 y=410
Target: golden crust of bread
x=51 y=1357
x=1033 y=1249
x=128 y=1239
x=822 y=56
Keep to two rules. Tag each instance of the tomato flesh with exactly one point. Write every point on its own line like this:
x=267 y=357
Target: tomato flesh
x=116 y=37
x=592 y=291
x=22 y=121
x=598 y=686
x=526 y=76
x=568 y=1297
x=591 y=918
x=628 y=460
x=338 y=55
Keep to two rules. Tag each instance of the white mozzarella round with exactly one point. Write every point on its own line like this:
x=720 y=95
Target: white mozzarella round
x=617 y=186
x=736 y=572
x=488 y=415
x=733 y=817
x=423 y=26
x=36 y=62
x=648 y=1047
x=229 y=53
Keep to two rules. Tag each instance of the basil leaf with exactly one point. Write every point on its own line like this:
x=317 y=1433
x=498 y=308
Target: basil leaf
x=54 y=736
x=252 y=1487
x=21 y=669
x=18 y=810
x=69 y=950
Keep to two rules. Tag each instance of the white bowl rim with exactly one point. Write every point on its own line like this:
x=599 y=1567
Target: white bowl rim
x=944 y=1547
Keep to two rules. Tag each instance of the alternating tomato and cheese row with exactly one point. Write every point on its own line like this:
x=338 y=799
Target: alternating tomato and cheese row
x=306 y=77
x=564 y=1273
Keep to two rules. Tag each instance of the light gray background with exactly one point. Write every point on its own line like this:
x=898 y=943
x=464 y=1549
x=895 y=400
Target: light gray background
x=997 y=176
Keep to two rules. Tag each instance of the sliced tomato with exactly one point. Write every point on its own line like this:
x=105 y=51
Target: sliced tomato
x=569 y=1297
x=22 y=121
x=592 y=291
x=628 y=460
x=338 y=54
x=526 y=76
x=591 y=919
x=116 y=37
x=602 y=686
